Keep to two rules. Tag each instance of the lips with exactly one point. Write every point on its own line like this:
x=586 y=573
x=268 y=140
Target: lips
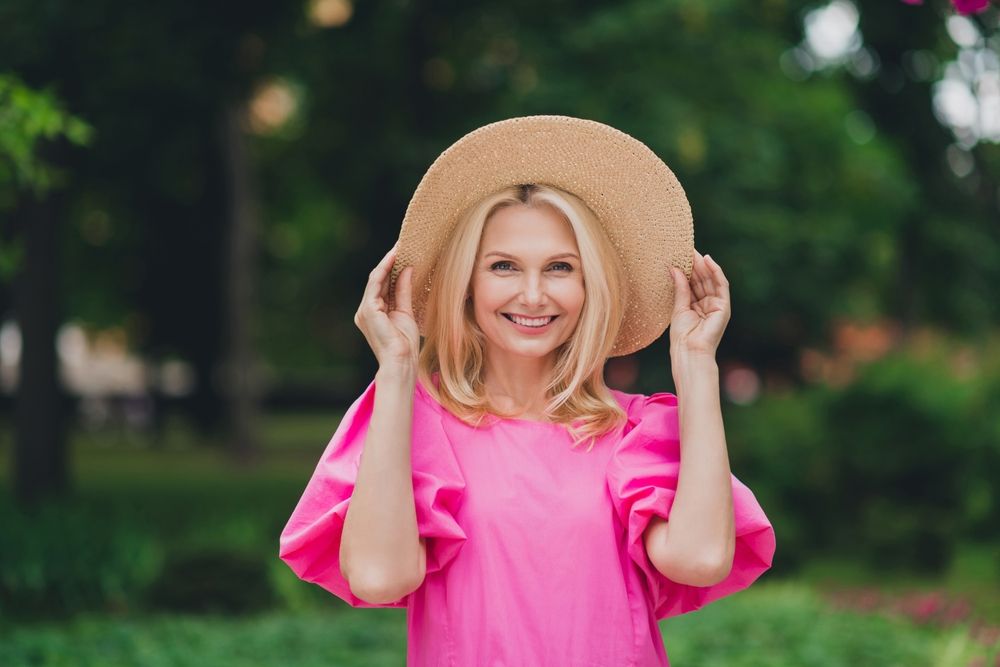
x=551 y=320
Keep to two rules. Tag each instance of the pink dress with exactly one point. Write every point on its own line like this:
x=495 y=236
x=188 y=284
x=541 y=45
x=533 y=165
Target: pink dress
x=534 y=550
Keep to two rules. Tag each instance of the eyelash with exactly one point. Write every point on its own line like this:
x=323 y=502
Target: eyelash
x=568 y=266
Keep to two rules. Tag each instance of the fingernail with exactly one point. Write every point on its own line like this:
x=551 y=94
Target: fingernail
x=709 y=258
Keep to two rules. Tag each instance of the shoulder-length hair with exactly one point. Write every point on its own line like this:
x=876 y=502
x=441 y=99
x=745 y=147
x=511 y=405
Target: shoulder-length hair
x=454 y=345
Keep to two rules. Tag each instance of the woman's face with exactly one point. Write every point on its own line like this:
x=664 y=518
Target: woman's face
x=528 y=265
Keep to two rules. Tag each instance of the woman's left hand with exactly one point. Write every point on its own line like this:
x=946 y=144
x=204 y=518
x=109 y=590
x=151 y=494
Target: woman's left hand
x=698 y=321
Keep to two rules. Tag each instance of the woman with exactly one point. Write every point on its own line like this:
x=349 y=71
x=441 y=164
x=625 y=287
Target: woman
x=459 y=489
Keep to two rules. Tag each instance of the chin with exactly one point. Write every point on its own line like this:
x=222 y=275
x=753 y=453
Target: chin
x=533 y=354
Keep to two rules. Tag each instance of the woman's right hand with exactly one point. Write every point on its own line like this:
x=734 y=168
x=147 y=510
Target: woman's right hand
x=392 y=334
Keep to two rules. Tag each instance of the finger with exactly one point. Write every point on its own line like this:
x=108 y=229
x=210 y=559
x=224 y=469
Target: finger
x=698 y=277
x=404 y=291
x=386 y=262
x=707 y=277
x=682 y=292
x=716 y=275
x=387 y=295
x=697 y=269
x=376 y=279
x=720 y=279
x=705 y=272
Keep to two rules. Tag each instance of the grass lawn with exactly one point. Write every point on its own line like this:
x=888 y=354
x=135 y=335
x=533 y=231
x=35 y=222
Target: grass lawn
x=185 y=498
x=773 y=624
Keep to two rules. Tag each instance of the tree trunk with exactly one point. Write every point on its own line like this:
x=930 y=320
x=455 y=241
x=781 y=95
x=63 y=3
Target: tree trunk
x=242 y=380
x=40 y=465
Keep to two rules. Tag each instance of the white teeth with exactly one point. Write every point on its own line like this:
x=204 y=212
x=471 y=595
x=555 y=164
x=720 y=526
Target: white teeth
x=533 y=322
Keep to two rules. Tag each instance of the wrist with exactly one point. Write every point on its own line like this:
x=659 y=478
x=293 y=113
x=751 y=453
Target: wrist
x=400 y=373
x=681 y=356
x=690 y=368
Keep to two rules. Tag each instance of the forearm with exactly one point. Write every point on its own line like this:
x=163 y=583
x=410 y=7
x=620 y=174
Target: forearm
x=380 y=553
x=700 y=533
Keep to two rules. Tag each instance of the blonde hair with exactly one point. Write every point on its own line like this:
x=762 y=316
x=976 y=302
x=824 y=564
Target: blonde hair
x=454 y=346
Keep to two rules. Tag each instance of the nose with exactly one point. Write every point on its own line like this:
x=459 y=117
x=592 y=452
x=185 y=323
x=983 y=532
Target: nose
x=532 y=294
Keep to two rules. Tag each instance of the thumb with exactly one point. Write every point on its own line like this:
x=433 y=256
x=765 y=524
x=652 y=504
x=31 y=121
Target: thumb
x=682 y=290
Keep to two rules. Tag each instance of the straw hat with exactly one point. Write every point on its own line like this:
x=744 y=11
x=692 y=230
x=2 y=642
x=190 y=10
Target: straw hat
x=634 y=194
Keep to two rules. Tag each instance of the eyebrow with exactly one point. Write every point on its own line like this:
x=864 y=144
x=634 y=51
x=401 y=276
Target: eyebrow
x=509 y=256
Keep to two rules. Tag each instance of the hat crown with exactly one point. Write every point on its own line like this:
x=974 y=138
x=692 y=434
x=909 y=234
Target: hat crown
x=637 y=198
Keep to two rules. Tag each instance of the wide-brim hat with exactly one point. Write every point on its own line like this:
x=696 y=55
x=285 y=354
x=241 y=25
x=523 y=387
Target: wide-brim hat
x=637 y=198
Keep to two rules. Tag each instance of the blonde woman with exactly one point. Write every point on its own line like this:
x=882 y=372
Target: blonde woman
x=487 y=480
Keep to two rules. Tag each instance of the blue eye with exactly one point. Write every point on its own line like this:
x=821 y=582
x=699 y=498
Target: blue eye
x=568 y=267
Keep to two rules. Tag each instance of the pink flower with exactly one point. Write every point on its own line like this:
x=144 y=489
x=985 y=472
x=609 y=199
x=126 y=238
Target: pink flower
x=970 y=6
x=959 y=610
x=964 y=7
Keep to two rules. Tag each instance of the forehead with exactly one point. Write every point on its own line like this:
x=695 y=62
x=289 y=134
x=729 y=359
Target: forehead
x=517 y=229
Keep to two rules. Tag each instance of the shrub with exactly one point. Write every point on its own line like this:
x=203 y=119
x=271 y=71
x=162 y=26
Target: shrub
x=61 y=558
x=213 y=581
x=893 y=468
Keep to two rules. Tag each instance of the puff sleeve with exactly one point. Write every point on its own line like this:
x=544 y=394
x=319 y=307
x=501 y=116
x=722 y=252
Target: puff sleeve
x=642 y=479
x=310 y=541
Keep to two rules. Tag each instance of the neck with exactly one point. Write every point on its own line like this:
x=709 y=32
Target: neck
x=515 y=383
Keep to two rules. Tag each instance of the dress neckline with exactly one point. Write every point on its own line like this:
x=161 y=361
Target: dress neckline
x=496 y=419
x=532 y=422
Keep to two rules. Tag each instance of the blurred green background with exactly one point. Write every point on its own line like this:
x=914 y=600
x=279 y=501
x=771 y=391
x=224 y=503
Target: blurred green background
x=192 y=196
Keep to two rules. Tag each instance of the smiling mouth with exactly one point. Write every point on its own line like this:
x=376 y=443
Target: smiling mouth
x=551 y=319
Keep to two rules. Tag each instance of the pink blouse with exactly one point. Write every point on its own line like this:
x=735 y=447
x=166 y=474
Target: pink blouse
x=534 y=550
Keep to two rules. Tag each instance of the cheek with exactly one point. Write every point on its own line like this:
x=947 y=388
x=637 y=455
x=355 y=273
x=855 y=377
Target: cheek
x=574 y=296
x=489 y=292
x=484 y=297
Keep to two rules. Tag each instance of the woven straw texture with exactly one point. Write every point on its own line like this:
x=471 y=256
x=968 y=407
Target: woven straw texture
x=639 y=201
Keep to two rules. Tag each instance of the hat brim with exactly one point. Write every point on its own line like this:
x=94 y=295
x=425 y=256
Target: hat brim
x=637 y=198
